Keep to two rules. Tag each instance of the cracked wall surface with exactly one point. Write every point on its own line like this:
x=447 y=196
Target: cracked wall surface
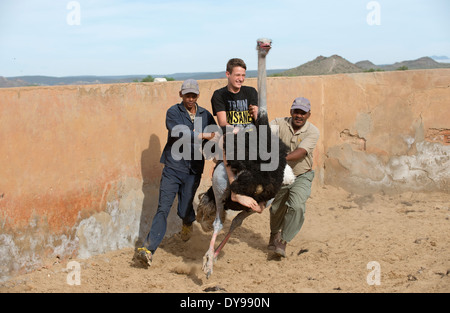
x=80 y=171
x=388 y=133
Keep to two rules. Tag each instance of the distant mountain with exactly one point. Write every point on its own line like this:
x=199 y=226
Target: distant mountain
x=216 y=75
x=421 y=63
x=440 y=58
x=21 y=81
x=323 y=66
x=4 y=82
x=336 y=64
x=69 y=80
x=366 y=65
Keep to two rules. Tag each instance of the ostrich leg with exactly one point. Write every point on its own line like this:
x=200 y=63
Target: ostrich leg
x=237 y=221
x=211 y=255
x=208 y=258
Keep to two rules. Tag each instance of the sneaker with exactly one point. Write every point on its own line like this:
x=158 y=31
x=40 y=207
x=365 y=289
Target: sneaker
x=144 y=256
x=186 y=232
x=272 y=239
x=280 y=247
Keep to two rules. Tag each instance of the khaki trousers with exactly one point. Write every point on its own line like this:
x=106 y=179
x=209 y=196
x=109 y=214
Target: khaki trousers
x=289 y=205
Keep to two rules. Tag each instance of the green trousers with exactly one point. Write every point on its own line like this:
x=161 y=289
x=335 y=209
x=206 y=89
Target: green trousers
x=289 y=205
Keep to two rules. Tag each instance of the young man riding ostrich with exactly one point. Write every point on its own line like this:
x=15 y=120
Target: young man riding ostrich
x=254 y=159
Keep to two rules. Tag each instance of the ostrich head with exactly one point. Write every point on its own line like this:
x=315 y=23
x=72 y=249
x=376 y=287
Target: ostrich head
x=263 y=46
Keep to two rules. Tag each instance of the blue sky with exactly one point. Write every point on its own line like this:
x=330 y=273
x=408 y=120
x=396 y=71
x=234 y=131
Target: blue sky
x=117 y=37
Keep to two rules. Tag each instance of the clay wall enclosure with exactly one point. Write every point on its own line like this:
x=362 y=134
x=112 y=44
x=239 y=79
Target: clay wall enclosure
x=79 y=165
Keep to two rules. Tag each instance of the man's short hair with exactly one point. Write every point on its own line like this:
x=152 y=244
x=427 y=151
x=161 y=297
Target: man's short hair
x=232 y=63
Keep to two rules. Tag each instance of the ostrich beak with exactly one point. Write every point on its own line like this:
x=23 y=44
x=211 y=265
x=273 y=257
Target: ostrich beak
x=264 y=45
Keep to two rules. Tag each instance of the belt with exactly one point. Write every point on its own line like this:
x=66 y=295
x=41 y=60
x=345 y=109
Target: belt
x=304 y=173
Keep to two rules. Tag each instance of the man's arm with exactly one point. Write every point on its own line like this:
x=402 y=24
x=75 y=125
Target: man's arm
x=207 y=136
x=175 y=125
x=296 y=155
x=307 y=144
x=222 y=118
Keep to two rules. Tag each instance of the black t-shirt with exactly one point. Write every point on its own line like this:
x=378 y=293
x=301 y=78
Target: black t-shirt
x=235 y=104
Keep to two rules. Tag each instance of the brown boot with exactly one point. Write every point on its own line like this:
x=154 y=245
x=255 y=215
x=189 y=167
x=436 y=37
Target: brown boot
x=280 y=247
x=273 y=238
x=186 y=232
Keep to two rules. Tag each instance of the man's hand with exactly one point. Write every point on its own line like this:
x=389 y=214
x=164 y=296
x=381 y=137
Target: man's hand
x=207 y=136
x=248 y=202
x=253 y=111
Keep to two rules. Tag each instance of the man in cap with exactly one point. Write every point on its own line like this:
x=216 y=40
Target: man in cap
x=287 y=213
x=182 y=172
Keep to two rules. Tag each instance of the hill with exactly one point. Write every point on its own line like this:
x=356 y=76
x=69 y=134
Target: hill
x=336 y=64
x=39 y=80
x=418 y=64
x=421 y=63
x=6 y=83
x=366 y=65
x=323 y=66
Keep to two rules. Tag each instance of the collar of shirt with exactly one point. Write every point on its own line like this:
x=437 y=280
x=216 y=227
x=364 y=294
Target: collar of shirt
x=198 y=110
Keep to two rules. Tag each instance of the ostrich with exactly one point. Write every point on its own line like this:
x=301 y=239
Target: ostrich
x=252 y=178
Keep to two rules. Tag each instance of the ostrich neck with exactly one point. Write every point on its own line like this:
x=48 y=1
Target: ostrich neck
x=262 y=95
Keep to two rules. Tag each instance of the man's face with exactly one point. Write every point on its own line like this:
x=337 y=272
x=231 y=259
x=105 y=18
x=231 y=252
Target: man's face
x=299 y=117
x=236 y=78
x=189 y=99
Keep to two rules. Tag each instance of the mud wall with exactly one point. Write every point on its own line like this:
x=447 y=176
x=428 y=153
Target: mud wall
x=80 y=171
x=388 y=132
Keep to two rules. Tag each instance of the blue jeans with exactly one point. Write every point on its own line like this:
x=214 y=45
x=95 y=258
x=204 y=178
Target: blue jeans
x=173 y=182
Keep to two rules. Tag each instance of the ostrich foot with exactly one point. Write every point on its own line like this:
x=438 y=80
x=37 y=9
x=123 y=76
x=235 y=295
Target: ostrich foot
x=208 y=260
x=211 y=254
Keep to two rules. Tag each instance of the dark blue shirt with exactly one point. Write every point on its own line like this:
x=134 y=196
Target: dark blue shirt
x=181 y=127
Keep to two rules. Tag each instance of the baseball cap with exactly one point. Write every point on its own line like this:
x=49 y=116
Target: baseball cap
x=302 y=104
x=190 y=86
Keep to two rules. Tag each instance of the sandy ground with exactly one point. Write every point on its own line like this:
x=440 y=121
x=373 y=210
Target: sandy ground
x=407 y=235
